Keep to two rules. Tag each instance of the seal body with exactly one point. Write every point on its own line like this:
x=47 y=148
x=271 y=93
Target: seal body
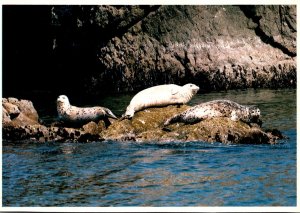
x=73 y=114
x=217 y=108
x=161 y=95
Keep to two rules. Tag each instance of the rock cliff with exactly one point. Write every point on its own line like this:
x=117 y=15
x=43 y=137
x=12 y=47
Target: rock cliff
x=100 y=49
x=215 y=47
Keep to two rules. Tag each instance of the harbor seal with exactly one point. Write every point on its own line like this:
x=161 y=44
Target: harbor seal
x=217 y=108
x=79 y=115
x=161 y=95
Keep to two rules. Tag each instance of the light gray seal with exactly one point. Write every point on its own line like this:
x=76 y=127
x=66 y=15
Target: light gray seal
x=161 y=95
x=217 y=108
x=78 y=115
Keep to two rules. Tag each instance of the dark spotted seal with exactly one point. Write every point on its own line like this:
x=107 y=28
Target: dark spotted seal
x=78 y=115
x=161 y=95
x=217 y=108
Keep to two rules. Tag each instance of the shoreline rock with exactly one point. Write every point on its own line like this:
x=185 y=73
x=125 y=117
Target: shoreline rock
x=145 y=126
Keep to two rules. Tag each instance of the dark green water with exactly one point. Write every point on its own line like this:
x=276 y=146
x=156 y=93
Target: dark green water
x=172 y=174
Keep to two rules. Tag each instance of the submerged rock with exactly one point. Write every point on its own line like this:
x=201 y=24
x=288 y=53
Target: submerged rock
x=145 y=126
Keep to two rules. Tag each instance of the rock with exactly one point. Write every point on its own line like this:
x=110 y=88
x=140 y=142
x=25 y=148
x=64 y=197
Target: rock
x=214 y=46
x=35 y=132
x=11 y=109
x=275 y=24
x=18 y=112
x=91 y=128
x=145 y=126
x=5 y=116
x=210 y=46
x=21 y=123
x=222 y=130
x=120 y=131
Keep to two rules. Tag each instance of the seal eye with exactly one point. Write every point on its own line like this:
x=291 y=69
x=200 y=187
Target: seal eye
x=255 y=112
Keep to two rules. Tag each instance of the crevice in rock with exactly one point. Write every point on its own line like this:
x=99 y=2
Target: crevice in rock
x=250 y=13
x=119 y=32
x=270 y=40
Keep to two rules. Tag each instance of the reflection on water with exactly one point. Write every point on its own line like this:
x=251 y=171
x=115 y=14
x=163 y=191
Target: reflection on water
x=170 y=174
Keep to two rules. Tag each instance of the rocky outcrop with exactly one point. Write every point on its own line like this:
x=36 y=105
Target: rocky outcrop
x=21 y=124
x=147 y=126
x=124 y=48
x=18 y=112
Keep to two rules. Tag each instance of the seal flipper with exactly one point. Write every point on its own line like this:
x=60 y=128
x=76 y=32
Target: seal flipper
x=174 y=91
x=109 y=113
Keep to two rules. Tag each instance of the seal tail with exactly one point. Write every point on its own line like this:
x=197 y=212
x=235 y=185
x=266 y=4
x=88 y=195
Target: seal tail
x=110 y=114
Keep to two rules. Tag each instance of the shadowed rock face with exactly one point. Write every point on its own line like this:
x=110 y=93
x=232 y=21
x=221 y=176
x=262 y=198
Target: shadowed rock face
x=145 y=126
x=125 y=48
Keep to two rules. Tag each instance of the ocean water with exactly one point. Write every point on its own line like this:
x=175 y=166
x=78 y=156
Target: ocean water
x=114 y=173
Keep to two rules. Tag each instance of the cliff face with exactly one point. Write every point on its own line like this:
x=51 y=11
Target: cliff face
x=99 y=49
x=215 y=47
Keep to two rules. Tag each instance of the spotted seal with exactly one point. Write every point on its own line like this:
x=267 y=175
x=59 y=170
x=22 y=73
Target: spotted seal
x=161 y=95
x=78 y=115
x=217 y=108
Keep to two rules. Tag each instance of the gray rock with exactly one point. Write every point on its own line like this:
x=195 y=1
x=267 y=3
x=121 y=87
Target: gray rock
x=216 y=47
